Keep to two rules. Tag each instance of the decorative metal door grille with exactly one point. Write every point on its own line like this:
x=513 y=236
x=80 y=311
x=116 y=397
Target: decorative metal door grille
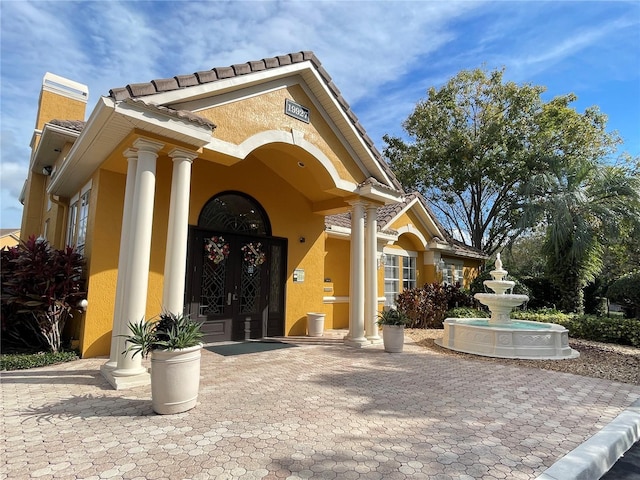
x=250 y=288
x=275 y=287
x=212 y=290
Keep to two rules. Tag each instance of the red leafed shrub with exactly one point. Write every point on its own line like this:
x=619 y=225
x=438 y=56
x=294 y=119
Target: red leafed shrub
x=426 y=306
x=41 y=287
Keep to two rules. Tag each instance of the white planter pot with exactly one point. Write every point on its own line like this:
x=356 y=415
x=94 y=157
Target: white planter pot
x=315 y=324
x=393 y=338
x=175 y=379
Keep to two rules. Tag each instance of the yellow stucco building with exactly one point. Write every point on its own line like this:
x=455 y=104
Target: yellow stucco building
x=246 y=196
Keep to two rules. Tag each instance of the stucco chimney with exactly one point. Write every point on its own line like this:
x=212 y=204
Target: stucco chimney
x=61 y=99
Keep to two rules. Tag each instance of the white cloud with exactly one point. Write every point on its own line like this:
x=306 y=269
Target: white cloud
x=382 y=55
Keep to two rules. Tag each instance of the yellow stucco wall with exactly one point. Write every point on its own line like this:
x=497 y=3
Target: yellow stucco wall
x=265 y=112
x=336 y=267
x=103 y=238
x=51 y=106
x=286 y=196
x=290 y=216
x=34 y=206
x=54 y=106
x=288 y=210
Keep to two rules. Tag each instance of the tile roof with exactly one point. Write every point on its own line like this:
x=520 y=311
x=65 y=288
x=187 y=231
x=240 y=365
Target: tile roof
x=138 y=90
x=386 y=213
x=181 y=114
x=76 y=125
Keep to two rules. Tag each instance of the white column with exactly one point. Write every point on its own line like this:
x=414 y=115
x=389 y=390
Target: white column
x=356 y=337
x=176 y=254
x=129 y=368
x=371 y=277
x=119 y=327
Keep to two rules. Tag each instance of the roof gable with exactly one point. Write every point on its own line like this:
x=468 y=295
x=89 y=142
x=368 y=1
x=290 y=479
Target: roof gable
x=176 y=89
x=415 y=202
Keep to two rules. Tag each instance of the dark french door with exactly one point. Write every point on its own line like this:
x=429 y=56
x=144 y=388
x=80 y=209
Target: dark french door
x=236 y=284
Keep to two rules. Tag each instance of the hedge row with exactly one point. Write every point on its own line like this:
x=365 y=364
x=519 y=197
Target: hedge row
x=621 y=331
x=21 y=361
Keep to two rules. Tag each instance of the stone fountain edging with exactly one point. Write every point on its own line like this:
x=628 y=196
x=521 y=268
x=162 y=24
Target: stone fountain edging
x=502 y=337
x=502 y=341
x=595 y=457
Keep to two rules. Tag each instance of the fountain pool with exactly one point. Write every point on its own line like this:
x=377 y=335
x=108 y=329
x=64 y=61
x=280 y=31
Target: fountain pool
x=502 y=337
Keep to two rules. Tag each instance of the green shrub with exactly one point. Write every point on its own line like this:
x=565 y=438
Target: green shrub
x=23 y=361
x=169 y=331
x=466 y=312
x=426 y=306
x=620 y=331
x=542 y=293
x=393 y=317
x=626 y=292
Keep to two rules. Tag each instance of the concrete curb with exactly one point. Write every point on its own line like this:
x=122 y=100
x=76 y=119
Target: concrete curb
x=598 y=454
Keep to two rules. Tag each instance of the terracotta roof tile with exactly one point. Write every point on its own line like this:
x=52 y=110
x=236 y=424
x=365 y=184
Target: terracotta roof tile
x=207 y=76
x=297 y=57
x=219 y=73
x=385 y=214
x=224 y=72
x=181 y=114
x=271 y=62
x=165 y=84
x=257 y=65
x=77 y=125
x=141 y=89
x=187 y=80
x=338 y=220
x=284 y=60
x=241 y=68
x=119 y=93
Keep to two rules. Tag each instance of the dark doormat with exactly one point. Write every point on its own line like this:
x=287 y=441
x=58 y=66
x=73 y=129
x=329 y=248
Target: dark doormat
x=241 y=348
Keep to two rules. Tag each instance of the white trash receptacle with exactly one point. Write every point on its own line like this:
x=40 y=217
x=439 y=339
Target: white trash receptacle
x=315 y=324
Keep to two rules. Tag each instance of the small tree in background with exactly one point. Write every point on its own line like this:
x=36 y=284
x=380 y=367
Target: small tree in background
x=626 y=292
x=41 y=287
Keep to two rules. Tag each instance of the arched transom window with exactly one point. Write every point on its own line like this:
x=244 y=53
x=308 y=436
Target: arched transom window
x=235 y=212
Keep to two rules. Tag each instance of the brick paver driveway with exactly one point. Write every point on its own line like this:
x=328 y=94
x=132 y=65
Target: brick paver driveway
x=309 y=411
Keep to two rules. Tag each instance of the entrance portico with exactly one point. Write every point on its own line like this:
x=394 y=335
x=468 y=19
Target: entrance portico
x=132 y=295
x=150 y=157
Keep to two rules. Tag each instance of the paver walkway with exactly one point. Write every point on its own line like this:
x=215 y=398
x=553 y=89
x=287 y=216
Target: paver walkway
x=309 y=411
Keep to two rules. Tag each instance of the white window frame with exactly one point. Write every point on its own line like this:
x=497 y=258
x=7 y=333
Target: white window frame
x=391 y=279
x=79 y=218
x=399 y=278
x=72 y=221
x=453 y=272
x=409 y=272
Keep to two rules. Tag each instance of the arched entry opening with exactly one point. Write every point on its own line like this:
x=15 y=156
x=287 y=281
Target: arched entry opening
x=237 y=270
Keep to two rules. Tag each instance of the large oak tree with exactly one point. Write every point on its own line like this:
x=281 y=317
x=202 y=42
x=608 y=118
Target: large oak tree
x=473 y=144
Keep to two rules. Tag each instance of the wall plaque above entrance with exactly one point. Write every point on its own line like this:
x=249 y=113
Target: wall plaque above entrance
x=296 y=110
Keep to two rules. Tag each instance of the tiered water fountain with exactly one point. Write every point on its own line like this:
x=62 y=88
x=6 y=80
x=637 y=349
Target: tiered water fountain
x=500 y=336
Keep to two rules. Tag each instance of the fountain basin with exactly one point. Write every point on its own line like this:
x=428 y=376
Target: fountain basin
x=517 y=339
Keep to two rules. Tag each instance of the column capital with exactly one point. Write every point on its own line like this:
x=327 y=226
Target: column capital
x=359 y=202
x=130 y=153
x=183 y=153
x=146 y=145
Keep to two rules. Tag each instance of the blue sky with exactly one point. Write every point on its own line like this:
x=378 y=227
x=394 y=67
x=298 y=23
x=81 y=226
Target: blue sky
x=383 y=56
